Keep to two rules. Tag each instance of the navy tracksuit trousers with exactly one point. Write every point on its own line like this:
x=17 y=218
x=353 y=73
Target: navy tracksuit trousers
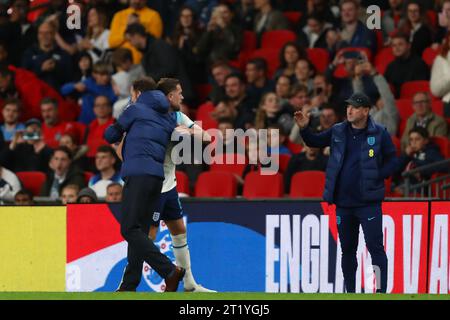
x=370 y=218
x=140 y=199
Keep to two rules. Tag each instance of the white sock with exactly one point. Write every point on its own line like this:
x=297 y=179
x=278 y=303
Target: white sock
x=183 y=259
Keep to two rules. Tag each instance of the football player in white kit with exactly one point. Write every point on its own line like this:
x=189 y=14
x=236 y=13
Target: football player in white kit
x=170 y=210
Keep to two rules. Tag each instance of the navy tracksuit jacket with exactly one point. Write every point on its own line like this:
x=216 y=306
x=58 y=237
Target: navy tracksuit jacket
x=360 y=160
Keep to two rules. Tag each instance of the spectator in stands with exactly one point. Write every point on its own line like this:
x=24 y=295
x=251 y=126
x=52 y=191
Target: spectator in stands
x=27 y=150
x=219 y=71
x=87 y=195
x=79 y=152
x=420 y=34
x=307 y=160
x=242 y=104
x=327 y=118
x=271 y=112
x=443 y=24
x=282 y=88
x=267 y=18
x=276 y=137
x=419 y=152
x=222 y=39
x=313 y=35
x=440 y=74
x=98 y=84
x=160 y=60
x=424 y=117
x=138 y=86
x=96 y=129
x=114 y=192
x=83 y=68
x=304 y=73
x=105 y=161
x=49 y=62
x=355 y=81
x=290 y=53
x=322 y=90
x=385 y=111
x=9 y=184
x=185 y=37
x=407 y=66
x=257 y=82
x=61 y=173
x=126 y=72
x=19 y=21
x=96 y=41
x=23 y=198
x=245 y=13
x=392 y=18
x=230 y=142
x=69 y=194
x=138 y=12
x=11 y=112
x=354 y=32
x=52 y=127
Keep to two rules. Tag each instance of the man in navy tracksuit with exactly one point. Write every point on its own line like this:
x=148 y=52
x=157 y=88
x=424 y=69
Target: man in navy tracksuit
x=362 y=155
x=148 y=127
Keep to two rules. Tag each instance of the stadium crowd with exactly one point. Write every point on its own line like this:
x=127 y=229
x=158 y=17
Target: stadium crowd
x=242 y=64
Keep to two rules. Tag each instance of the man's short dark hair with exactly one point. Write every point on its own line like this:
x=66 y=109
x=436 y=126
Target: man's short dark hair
x=167 y=85
x=144 y=84
x=235 y=75
x=136 y=28
x=65 y=150
x=114 y=184
x=49 y=100
x=106 y=149
x=421 y=131
x=400 y=35
x=14 y=101
x=120 y=56
x=24 y=192
x=222 y=64
x=297 y=88
x=259 y=63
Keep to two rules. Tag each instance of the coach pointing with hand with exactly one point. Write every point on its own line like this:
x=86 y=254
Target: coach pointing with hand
x=362 y=155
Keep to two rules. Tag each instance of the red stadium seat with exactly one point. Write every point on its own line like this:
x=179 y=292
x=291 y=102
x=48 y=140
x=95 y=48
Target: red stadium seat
x=294 y=147
x=293 y=17
x=284 y=161
x=271 y=57
x=405 y=110
x=438 y=107
x=182 y=182
x=263 y=186
x=319 y=58
x=80 y=131
x=380 y=41
x=276 y=39
x=249 y=41
x=442 y=194
x=383 y=58
x=87 y=176
x=429 y=55
x=409 y=88
x=444 y=145
x=232 y=163
x=432 y=18
x=204 y=115
x=32 y=180
x=307 y=184
x=216 y=184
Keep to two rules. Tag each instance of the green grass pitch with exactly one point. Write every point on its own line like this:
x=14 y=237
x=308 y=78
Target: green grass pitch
x=210 y=296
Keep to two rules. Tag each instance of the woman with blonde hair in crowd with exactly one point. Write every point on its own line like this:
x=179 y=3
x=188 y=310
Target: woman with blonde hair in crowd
x=271 y=112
